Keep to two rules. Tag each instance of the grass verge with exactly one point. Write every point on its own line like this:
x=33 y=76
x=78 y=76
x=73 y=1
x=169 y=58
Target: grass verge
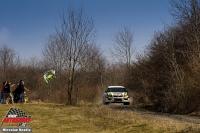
x=57 y=118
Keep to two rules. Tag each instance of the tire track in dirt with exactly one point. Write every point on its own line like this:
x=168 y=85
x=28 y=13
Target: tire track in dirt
x=163 y=116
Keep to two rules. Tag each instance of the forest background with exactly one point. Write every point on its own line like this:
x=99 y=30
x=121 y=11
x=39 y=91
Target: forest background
x=165 y=76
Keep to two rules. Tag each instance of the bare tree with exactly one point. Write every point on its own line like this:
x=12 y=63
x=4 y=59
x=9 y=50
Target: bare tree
x=66 y=48
x=175 y=76
x=55 y=51
x=123 y=46
x=7 y=56
x=94 y=61
x=123 y=51
x=187 y=16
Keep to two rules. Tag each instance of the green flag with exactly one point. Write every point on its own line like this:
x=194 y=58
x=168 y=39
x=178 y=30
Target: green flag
x=49 y=75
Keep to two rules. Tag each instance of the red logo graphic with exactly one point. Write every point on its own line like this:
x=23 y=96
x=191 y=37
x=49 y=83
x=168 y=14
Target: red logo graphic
x=16 y=116
x=16 y=120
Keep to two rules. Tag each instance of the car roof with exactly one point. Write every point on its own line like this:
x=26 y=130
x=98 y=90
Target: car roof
x=116 y=87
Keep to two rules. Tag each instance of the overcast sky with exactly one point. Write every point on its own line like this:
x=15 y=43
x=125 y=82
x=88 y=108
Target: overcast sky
x=25 y=23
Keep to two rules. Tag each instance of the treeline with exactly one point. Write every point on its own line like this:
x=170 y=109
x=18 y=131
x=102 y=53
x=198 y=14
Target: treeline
x=90 y=79
x=167 y=76
x=82 y=70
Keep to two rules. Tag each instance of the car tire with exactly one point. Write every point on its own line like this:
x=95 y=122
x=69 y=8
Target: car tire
x=126 y=103
x=106 y=103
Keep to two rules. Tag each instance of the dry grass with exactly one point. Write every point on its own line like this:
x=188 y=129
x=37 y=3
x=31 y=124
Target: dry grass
x=56 y=118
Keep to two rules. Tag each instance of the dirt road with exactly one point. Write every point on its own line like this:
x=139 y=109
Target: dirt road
x=163 y=116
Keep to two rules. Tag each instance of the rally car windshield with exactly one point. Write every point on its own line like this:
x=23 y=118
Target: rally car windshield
x=116 y=90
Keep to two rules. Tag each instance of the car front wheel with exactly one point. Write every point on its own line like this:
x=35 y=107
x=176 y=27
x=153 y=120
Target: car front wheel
x=106 y=103
x=126 y=103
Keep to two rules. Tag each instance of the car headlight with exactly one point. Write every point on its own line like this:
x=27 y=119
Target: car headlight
x=126 y=95
x=109 y=94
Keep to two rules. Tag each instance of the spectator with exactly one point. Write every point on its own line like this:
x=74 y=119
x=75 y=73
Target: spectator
x=7 y=92
x=20 y=91
x=2 y=93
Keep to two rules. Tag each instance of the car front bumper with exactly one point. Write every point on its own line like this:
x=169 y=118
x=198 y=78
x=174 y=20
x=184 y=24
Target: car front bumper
x=117 y=100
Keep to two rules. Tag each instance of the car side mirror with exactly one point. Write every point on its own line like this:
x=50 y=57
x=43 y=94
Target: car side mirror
x=105 y=91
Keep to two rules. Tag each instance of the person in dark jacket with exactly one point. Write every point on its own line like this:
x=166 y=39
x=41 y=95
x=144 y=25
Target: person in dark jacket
x=20 y=92
x=2 y=92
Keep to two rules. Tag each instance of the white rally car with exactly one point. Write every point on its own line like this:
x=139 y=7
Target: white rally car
x=116 y=94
